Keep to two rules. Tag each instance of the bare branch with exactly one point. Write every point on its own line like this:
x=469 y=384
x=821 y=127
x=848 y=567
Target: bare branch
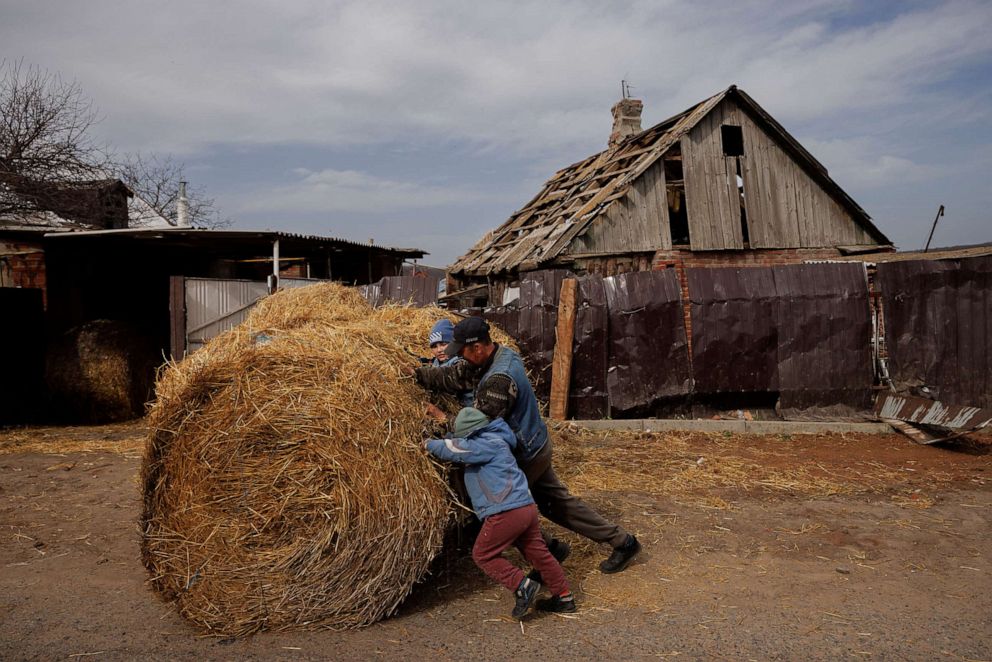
x=45 y=145
x=155 y=180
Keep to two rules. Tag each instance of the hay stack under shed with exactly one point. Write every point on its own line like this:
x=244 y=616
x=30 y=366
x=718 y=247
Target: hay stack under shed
x=285 y=485
x=102 y=371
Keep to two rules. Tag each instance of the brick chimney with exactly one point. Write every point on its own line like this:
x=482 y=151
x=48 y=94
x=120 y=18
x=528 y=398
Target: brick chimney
x=626 y=119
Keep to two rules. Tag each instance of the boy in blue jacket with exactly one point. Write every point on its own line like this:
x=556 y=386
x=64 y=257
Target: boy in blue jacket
x=498 y=491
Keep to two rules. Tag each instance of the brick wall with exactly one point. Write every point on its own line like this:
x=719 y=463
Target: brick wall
x=22 y=264
x=681 y=259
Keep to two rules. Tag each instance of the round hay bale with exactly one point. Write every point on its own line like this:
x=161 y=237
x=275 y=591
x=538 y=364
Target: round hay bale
x=101 y=372
x=285 y=485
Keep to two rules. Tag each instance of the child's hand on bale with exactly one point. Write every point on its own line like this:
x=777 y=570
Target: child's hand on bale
x=435 y=414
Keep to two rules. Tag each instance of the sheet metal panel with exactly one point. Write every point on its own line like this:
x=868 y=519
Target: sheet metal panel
x=419 y=291
x=506 y=318
x=539 y=293
x=588 y=396
x=648 y=355
x=734 y=335
x=803 y=331
x=824 y=352
x=937 y=327
x=216 y=305
x=931 y=412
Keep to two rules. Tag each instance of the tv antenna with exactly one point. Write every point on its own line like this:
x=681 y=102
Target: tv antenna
x=625 y=87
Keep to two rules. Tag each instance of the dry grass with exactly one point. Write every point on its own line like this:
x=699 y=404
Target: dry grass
x=693 y=466
x=116 y=438
x=284 y=482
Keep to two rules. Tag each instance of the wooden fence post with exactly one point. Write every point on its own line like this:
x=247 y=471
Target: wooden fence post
x=561 y=362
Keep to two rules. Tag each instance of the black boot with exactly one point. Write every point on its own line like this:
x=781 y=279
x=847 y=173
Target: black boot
x=560 y=550
x=621 y=556
x=557 y=604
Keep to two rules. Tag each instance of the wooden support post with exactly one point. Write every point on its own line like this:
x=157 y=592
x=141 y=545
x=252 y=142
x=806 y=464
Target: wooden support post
x=177 y=317
x=561 y=362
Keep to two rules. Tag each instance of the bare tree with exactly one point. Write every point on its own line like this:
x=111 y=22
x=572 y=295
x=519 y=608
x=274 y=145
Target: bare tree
x=45 y=146
x=155 y=183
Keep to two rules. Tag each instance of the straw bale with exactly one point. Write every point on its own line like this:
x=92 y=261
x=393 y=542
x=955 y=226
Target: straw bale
x=101 y=372
x=284 y=482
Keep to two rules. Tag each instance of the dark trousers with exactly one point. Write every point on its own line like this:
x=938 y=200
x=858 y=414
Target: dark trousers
x=518 y=527
x=561 y=507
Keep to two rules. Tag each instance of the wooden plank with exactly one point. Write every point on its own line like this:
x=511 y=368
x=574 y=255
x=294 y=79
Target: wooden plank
x=561 y=362
x=177 y=317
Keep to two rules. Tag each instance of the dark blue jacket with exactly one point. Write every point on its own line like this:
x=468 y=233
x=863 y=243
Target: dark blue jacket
x=494 y=482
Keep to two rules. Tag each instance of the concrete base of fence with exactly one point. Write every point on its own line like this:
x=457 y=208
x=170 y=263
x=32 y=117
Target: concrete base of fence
x=736 y=427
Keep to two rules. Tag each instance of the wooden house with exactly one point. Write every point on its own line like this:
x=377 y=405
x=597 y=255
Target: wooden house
x=720 y=184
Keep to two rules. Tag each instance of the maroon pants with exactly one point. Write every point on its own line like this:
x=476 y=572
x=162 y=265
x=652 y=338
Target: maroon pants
x=517 y=527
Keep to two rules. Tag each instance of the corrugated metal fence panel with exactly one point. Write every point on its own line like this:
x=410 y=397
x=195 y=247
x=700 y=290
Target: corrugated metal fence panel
x=734 y=336
x=648 y=355
x=824 y=333
x=214 y=306
x=588 y=395
x=938 y=327
x=508 y=319
x=801 y=330
x=372 y=293
x=538 y=304
x=419 y=291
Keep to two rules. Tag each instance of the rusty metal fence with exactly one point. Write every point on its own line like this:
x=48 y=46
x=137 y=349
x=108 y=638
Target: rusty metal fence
x=800 y=332
x=801 y=336
x=416 y=290
x=938 y=328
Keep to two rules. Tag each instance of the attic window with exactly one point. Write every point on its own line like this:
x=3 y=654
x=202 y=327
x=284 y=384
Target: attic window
x=733 y=140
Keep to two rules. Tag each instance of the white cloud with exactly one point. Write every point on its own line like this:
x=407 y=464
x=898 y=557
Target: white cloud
x=352 y=191
x=527 y=76
x=863 y=162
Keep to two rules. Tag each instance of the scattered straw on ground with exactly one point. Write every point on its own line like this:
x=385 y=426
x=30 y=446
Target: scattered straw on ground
x=696 y=464
x=117 y=438
x=285 y=485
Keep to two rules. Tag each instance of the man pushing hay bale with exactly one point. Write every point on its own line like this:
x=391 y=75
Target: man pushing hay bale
x=284 y=483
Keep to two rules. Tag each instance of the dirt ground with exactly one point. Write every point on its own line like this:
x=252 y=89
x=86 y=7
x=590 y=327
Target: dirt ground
x=809 y=547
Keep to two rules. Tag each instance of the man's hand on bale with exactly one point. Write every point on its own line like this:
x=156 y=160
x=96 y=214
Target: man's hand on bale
x=435 y=414
x=408 y=370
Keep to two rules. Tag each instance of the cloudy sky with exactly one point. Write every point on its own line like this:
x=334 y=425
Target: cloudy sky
x=428 y=123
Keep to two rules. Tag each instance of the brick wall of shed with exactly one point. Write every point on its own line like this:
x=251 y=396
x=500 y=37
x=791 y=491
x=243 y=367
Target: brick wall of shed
x=682 y=259
x=22 y=264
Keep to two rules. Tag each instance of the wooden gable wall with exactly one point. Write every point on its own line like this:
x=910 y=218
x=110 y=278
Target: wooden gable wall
x=637 y=222
x=785 y=207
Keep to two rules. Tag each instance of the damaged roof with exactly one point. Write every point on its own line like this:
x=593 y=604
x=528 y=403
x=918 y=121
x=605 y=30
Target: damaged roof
x=578 y=195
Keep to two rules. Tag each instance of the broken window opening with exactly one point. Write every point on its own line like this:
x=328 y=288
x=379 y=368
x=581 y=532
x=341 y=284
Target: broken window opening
x=732 y=138
x=739 y=178
x=678 y=219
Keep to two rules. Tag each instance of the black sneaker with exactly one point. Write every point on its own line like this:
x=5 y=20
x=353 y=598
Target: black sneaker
x=526 y=593
x=560 y=550
x=621 y=556
x=557 y=605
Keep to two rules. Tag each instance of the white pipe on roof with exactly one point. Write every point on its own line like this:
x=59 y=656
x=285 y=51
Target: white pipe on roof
x=182 y=207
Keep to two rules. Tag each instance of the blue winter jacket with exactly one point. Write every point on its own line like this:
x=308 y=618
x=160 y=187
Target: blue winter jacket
x=494 y=482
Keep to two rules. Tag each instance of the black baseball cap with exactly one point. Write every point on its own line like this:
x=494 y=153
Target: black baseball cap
x=468 y=331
